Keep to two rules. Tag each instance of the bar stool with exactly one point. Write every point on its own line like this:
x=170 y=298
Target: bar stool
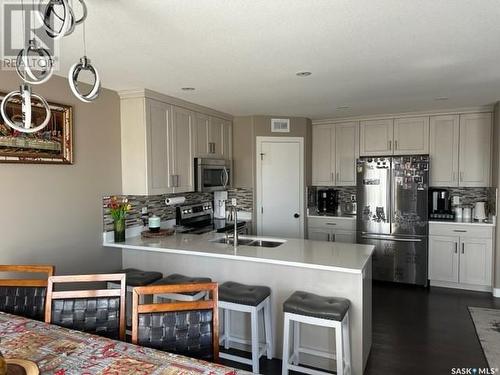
x=134 y=277
x=248 y=299
x=308 y=308
x=176 y=278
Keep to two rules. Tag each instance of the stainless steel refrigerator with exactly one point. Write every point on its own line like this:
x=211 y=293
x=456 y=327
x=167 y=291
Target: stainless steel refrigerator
x=393 y=215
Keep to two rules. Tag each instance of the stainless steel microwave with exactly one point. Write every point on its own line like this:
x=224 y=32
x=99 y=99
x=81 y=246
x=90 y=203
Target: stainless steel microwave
x=212 y=174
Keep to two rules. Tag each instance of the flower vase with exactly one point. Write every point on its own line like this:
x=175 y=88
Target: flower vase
x=119 y=229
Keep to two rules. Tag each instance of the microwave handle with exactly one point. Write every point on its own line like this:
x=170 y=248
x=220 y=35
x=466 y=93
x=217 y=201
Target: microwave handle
x=226 y=180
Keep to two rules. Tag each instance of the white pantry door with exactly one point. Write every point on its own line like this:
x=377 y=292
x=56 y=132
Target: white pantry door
x=280 y=187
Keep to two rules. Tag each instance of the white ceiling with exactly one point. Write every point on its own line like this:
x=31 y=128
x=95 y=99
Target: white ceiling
x=242 y=55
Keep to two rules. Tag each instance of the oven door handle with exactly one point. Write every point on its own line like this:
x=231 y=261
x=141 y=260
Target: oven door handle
x=226 y=180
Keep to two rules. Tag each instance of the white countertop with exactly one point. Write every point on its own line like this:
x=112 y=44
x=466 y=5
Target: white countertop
x=322 y=255
x=472 y=223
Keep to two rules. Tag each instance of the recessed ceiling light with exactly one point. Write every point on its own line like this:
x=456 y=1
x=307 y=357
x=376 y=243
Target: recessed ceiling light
x=342 y=107
x=441 y=98
x=303 y=74
x=188 y=88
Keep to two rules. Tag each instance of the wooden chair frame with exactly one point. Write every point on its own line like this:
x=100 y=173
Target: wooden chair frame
x=205 y=304
x=34 y=283
x=94 y=293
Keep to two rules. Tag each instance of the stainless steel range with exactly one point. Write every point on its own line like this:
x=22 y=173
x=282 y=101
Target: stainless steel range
x=198 y=218
x=393 y=215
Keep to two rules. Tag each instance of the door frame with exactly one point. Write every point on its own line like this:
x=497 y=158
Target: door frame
x=258 y=178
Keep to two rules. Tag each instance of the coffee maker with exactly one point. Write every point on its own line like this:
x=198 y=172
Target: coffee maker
x=440 y=205
x=327 y=201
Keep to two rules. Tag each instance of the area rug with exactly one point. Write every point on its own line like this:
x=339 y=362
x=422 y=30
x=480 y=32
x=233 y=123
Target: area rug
x=487 y=323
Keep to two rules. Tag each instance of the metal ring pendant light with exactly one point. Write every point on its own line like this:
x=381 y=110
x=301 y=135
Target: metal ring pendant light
x=73 y=74
x=43 y=61
x=48 y=15
x=26 y=96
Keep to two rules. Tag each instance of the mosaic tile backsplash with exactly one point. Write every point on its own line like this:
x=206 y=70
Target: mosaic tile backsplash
x=156 y=205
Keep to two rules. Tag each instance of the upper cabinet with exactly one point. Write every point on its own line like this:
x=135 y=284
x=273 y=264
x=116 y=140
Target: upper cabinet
x=214 y=137
x=376 y=137
x=400 y=136
x=161 y=136
x=460 y=150
x=475 y=149
x=335 y=150
x=411 y=135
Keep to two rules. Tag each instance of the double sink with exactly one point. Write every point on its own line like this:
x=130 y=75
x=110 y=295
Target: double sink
x=250 y=242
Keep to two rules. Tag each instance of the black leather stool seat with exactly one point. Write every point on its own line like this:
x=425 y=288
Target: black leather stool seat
x=309 y=304
x=176 y=278
x=250 y=295
x=137 y=277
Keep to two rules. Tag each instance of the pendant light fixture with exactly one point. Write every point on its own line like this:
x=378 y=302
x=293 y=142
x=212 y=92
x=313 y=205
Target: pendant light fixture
x=28 y=76
x=75 y=71
x=59 y=11
x=41 y=59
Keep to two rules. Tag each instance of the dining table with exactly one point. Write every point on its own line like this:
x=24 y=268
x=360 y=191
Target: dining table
x=61 y=351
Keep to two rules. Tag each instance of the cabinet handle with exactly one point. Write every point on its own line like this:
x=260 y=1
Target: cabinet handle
x=459 y=231
x=454 y=176
x=328 y=237
x=337 y=180
x=463 y=248
x=395 y=145
x=390 y=145
x=331 y=223
x=333 y=237
x=333 y=177
x=456 y=247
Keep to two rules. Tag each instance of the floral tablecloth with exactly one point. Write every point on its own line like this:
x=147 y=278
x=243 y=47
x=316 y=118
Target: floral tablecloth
x=61 y=351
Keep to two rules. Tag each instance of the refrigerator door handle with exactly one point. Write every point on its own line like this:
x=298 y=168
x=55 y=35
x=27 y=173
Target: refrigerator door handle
x=390 y=238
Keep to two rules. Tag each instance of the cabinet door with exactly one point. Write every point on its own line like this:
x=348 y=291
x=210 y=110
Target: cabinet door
x=202 y=124
x=318 y=234
x=227 y=140
x=183 y=150
x=346 y=153
x=160 y=133
x=323 y=155
x=411 y=135
x=444 y=131
x=376 y=137
x=443 y=258
x=475 y=261
x=215 y=137
x=343 y=236
x=475 y=150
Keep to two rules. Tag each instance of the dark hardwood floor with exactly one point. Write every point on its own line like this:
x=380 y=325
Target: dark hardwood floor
x=418 y=331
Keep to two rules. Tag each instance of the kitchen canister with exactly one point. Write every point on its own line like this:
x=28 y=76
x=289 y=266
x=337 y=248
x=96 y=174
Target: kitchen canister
x=458 y=213
x=467 y=214
x=154 y=223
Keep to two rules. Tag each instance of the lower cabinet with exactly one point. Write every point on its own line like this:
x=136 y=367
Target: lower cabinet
x=461 y=256
x=332 y=229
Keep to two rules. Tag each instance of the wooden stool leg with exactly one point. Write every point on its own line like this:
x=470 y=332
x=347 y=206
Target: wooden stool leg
x=296 y=343
x=226 y=328
x=286 y=345
x=268 y=329
x=339 y=348
x=254 y=317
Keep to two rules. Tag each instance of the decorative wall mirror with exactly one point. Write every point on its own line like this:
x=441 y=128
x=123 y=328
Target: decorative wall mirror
x=52 y=145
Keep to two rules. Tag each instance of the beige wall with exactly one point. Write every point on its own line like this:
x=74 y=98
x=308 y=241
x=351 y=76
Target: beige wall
x=496 y=183
x=245 y=131
x=52 y=213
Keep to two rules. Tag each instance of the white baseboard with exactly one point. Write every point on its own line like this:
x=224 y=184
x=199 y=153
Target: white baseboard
x=496 y=292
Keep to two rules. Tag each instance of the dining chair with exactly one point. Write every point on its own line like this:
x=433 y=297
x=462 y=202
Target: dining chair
x=24 y=297
x=190 y=328
x=97 y=311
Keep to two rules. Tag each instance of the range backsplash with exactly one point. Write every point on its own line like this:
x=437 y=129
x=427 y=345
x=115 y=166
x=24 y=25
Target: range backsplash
x=469 y=196
x=156 y=205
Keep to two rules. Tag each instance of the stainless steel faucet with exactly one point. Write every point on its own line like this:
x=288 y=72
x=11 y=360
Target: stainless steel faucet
x=234 y=210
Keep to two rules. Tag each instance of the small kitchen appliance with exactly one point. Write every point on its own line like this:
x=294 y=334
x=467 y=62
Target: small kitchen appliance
x=220 y=198
x=480 y=211
x=439 y=205
x=327 y=201
x=212 y=174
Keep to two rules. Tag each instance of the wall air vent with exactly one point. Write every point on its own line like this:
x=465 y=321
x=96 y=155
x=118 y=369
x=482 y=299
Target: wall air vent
x=280 y=125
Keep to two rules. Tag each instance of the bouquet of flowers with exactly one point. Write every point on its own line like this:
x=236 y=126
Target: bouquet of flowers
x=118 y=207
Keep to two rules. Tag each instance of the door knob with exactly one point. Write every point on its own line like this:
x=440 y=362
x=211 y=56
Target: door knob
x=296 y=216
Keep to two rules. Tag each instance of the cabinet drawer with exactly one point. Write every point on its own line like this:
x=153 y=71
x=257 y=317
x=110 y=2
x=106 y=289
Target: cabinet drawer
x=460 y=230
x=332 y=223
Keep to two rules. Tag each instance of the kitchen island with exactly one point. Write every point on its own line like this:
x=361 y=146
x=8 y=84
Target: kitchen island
x=324 y=268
